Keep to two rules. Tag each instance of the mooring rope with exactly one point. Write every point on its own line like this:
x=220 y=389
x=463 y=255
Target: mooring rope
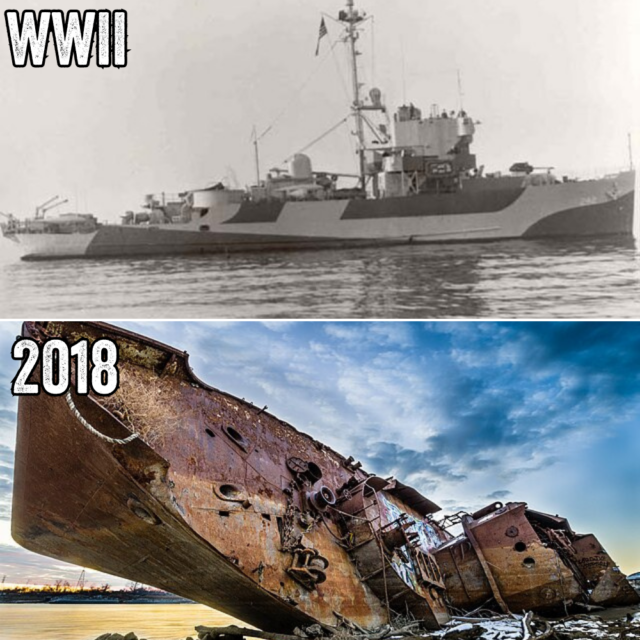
x=95 y=432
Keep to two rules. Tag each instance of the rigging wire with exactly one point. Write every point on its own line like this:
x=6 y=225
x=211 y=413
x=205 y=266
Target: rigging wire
x=346 y=93
x=256 y=138
x=404 y=74
x=343 y=82
x=373 y=52
x=295 y=95
x=374 y=131
x=316 y=140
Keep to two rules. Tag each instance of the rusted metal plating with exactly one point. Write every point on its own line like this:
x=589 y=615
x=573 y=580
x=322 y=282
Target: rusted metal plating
x=219 y=501
x=526 y=560
x=216 y=499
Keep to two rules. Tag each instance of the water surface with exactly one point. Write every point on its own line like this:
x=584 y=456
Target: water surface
x=88 y=621
x=589 y=278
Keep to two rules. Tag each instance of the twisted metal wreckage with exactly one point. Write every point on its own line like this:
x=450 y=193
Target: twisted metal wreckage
x=219 y=501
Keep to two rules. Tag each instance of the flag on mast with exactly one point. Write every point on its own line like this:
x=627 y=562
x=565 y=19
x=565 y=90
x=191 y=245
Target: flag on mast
x=321 y=34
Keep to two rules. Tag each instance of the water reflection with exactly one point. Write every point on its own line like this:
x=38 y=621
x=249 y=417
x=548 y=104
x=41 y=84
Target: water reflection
x=88 y=621
x=513 y=279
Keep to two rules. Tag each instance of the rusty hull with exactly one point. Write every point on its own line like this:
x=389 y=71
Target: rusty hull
x=513 y=559
x=217 y=500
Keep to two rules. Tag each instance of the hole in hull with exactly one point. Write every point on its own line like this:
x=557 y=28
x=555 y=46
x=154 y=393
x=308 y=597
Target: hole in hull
x=314 y=473
x=236 y=437
x=141 y=512
x=229 y=491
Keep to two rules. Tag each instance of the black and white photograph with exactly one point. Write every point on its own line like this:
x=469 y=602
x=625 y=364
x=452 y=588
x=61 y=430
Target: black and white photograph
x=319 y=320
x=321 y=159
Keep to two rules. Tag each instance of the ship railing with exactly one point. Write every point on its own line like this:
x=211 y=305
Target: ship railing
x=162 y=199
x=19 y=227
x=14 y=226
x=592 y=173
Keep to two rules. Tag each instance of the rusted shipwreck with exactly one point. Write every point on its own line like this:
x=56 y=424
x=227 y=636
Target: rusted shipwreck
x=519 y=559
x=175 y=484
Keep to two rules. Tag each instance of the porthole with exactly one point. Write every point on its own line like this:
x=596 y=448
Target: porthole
x=520 y=546
x=529 y=563
x=229 y=491
x=235 y=436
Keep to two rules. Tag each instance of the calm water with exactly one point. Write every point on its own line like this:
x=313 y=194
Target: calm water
x=512 y=279
x=88 y=621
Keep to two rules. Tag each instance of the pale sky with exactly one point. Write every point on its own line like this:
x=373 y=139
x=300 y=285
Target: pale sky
x=469 y=413
x=553 y=82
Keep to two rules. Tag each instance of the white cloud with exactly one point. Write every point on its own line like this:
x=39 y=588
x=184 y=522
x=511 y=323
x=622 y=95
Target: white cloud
x=461 y=410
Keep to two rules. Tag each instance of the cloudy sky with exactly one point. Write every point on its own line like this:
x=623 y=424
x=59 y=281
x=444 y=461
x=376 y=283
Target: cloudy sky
x=553 y=83
x=470 y=413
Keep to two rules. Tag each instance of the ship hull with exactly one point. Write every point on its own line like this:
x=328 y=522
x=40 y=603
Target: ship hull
x=526 y=560
x=478 y=212
x=218 y=501
x=172 y=483
x=212 y=501
x=95 y=514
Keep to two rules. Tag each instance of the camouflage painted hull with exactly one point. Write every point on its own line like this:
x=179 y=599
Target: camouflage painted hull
x=481 y=211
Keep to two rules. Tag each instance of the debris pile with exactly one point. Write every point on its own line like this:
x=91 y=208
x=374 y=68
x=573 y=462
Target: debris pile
x=503 y=627
x=580 y=627
x=119 y=636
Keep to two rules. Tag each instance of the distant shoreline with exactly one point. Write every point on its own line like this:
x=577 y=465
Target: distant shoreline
x=45 y=596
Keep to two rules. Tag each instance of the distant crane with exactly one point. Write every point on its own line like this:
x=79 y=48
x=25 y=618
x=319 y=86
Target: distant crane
x=49 y=204
x=81 y=579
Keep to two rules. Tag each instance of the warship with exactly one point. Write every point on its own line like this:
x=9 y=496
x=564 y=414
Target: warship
x=417 y=181
x=173 y=483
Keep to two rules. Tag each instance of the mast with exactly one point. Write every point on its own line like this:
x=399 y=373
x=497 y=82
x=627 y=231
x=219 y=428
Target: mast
x=351 y=17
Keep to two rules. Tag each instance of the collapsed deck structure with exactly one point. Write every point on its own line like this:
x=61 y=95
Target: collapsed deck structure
x=521 y=559
x=173 y=483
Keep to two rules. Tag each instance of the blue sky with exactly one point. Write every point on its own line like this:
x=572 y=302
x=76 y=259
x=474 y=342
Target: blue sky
x=468 y=412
